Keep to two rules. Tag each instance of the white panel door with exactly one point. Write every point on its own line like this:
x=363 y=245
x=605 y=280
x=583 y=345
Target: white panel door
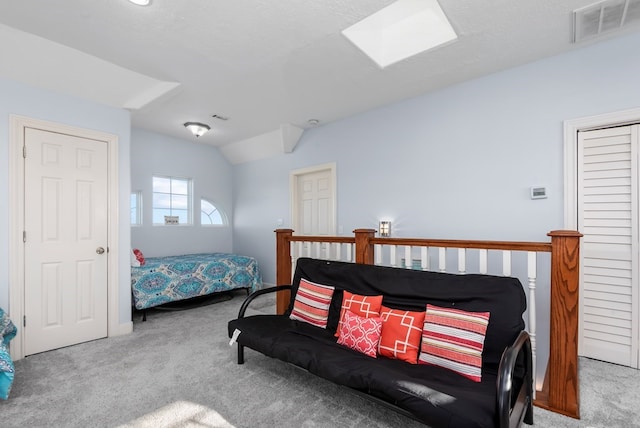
x=608 y=218
x=65 y=240
x=315 y=203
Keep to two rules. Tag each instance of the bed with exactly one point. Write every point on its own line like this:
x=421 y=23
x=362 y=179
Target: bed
x=7 y=332
x=162 y=280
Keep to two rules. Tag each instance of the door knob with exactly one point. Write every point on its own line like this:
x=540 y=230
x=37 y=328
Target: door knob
x=99 y=250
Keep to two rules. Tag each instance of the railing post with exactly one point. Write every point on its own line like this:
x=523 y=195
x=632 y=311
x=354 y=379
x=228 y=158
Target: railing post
x=364 y=249
x=283 y=267
x=561 y=389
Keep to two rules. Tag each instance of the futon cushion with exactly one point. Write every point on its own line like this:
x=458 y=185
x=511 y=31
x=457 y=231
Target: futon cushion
x=430 y=392
x=454 y=339
x=360 y=333
x=401 y=334
x=312 y=303
x=364 y=306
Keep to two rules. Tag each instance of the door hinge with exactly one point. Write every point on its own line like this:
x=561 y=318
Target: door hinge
x=24 y=236
x=24 y=321
x=24 y=152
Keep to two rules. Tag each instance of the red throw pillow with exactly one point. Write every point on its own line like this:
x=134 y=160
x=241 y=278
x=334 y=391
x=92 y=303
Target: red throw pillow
x=360 y=334
x=312 y=303
x=454 y=339
x=139 y=256
x=401 y=334
x=364 y=306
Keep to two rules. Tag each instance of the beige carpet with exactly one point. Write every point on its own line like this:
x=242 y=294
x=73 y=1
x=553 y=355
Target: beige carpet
x=177 y=370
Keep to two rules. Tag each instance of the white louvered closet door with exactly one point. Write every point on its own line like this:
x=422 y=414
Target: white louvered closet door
x=608 y=218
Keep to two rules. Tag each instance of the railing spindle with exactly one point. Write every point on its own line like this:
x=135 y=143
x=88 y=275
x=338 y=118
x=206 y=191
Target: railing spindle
x=424 y=258
x=408 y=258
x=506 y=263
x=531 y=274
x=483 y=261
x=378 y=251
x=392 y=256
x=462 y=260
x=442 y=259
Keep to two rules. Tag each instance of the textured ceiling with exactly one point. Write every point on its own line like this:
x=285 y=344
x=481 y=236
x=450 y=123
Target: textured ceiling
x=260 y=63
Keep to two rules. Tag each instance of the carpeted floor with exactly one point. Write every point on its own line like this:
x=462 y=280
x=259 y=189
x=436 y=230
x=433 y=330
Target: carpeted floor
x=177 y=370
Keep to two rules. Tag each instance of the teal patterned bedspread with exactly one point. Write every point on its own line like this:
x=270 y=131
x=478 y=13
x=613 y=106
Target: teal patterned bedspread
x=172 y=278
x=7 y=332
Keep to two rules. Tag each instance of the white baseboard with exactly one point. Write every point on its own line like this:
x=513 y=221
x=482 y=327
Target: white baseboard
x=122 y=329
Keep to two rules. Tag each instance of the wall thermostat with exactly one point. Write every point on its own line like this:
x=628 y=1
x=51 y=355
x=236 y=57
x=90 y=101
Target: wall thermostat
x=538 y=192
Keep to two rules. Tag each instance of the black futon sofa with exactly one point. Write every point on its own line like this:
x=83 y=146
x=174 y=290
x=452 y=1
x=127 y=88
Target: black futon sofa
x=434 y=395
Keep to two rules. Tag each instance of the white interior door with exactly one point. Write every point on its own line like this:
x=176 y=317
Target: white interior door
x=608 y=218
x=315 y=203
x=66 y=194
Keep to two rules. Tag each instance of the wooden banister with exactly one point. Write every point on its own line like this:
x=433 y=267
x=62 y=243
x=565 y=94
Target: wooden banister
x=364 y=247
x=283 y=267
x=560 y=391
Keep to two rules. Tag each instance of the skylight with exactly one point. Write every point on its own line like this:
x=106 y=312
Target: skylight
x=401 y=30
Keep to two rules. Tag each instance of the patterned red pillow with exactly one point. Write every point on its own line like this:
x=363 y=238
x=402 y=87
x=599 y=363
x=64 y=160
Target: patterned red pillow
x=401 y=334
x=360 y=333
x=454 y=339
x=137 y=258
x=364 y=306
x=312 y=303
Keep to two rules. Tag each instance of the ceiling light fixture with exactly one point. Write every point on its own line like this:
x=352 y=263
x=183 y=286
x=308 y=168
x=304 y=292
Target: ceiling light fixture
x=198 y=129
x=141 y=2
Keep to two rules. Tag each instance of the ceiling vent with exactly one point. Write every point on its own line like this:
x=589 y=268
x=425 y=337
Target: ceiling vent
x=603 y=17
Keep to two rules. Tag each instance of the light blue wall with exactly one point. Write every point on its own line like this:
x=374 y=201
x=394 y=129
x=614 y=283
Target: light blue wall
x=156 y=154
x=36 y=103
x=456 y=163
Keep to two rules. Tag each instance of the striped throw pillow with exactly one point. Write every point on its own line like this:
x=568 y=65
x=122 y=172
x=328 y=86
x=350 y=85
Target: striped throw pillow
x=454 y=339
x=312 y=303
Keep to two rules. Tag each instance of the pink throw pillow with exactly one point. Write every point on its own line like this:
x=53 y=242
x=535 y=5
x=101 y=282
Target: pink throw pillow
x=360 y=334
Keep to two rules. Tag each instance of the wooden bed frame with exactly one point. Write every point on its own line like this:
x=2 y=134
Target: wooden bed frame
x=560 y=390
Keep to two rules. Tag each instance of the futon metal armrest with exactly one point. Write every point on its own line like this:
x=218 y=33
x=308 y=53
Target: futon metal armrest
x=255 y=294
x=512 y=414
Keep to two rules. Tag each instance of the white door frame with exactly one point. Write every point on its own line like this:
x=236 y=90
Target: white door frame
x=293 y=191
x=571 y=128
x=17 y=125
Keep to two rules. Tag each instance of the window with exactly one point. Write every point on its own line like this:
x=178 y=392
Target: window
x=210 y=215
x=136 y=208
x=171 y=197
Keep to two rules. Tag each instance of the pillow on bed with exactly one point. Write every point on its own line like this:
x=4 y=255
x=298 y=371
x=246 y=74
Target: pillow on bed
x=454 y=339
x=137 y=258
x=312 y=303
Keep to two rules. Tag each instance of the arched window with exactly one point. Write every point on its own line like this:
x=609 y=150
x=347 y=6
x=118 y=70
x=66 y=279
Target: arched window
x=210 y=215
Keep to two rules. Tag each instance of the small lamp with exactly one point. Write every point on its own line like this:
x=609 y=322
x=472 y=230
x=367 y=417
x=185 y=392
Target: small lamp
x=198 y=129
x=385 y=228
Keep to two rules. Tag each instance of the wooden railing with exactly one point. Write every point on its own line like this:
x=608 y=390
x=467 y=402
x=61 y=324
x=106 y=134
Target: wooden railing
x=559 y=391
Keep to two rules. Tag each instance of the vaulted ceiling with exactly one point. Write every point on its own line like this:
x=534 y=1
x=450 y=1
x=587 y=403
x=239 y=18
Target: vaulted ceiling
x=264 y=67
